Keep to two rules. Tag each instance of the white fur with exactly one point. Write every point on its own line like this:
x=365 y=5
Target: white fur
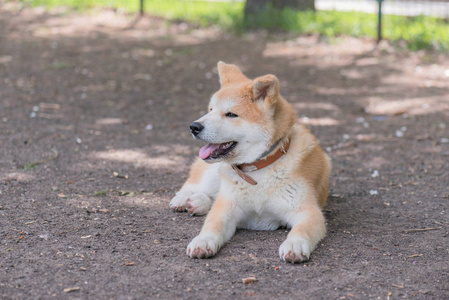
x=284 y=195
x=274 y=202
x=199 y=196
x=297 y=245
x=252 y=140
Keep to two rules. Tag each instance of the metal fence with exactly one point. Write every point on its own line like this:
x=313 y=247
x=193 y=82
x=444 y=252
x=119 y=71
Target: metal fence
x=433 y=8
x=436 y=8
x=410 y=8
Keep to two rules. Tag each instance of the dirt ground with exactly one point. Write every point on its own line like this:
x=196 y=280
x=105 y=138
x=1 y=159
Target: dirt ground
x=94 y=142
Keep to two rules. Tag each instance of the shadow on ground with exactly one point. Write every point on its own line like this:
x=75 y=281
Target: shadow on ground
x=115 y=105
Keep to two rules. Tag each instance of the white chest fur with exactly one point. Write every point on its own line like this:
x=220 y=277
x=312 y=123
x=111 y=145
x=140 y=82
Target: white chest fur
x=267 y=205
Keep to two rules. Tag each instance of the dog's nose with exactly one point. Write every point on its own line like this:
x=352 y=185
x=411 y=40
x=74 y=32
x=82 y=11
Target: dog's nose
x=195 y=128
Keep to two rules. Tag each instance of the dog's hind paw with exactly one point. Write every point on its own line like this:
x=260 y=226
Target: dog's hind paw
x=295 y=250
x=198 y=204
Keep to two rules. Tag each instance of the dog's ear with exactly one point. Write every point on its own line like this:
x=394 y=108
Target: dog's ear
x=230 y=73
x=266 y=88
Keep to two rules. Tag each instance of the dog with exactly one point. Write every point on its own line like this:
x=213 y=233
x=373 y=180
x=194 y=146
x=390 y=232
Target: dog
x=259 y=170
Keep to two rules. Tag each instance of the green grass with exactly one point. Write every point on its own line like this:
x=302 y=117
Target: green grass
x=328 y=23
x=418 y=32
x=101 y=193
x=128 y=6
x=30 y=166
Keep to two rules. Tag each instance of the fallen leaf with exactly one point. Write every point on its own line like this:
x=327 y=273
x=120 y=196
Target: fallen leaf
x=44 y=236
x=61 y=195
x=53 y=106
x=116 y=174
x=249 y=280
x=399 y=112
x=126 y=193
x=415 y=255
x=101 y=193
x=71 y=289
x=421 y=230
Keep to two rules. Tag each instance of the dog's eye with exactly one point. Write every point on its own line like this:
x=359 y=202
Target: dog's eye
x=231 y=115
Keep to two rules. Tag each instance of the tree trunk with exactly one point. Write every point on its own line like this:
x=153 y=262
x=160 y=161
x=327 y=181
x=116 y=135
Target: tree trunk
x=254 y=6
x=295 y=4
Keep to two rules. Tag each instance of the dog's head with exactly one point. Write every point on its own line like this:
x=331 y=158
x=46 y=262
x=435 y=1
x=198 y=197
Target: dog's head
x=246 y=117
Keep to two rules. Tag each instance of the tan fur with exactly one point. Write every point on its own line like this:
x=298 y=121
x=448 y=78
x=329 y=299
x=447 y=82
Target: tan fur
x=239 y=89
x=214 y=222
x=308 y=227
x=245 y=107
x=285 y=117
x=230 y=74
x=315 y=168
x=197 y=171
x=290 y=192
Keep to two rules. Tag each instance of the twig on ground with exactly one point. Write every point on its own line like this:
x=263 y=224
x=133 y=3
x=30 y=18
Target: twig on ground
x=40 y=162
x=421 y=229
x=71 y=230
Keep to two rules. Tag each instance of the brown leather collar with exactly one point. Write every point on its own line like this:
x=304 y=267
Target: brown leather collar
x=260 y=164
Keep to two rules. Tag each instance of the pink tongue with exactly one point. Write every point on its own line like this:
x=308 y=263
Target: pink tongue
x=207 y=150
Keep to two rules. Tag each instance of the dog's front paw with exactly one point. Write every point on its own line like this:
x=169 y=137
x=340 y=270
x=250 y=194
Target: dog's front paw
x=203 y=246
x=179 y=202
x=198 y=204
x=295 y=250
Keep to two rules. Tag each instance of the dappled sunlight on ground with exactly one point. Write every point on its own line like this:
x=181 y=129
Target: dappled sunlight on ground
x=316 y=105
x=20 y=176
x=376 y=162
x=377 y=79
x=110 y=22
x=145 y=200
x=115 y=101
x=417 y=106
x=319 y=121
x=96 y=205
x=334 y=91
x=139 y=159
x=301 y=47
x=109 y=121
